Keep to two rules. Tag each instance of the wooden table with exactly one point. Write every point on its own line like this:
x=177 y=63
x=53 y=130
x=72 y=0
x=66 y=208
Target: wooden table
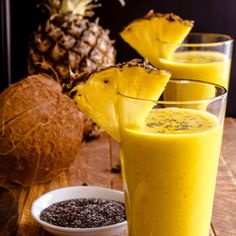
x=93 y=168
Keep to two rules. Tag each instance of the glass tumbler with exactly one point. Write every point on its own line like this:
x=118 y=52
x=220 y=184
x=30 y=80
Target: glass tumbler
x=202 y=56
x=169 y=156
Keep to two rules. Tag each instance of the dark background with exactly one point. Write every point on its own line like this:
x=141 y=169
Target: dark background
x=213 y=16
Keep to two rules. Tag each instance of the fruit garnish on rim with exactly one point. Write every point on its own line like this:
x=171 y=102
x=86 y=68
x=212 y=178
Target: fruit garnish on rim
x=156 y=35
x=96 y=94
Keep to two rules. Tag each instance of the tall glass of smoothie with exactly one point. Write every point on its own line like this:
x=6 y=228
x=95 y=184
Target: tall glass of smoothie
x=202 y=56
x=169 y=161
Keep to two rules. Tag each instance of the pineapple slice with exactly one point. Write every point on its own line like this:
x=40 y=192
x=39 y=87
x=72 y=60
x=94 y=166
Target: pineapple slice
x=97 y=94
x=156 y=35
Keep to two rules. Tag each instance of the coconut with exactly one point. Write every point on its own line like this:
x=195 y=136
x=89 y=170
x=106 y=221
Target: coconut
x=40 y=131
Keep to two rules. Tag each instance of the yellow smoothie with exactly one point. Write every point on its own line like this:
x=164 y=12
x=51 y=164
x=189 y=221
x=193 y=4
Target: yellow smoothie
x=169 y=171
x=206 y=66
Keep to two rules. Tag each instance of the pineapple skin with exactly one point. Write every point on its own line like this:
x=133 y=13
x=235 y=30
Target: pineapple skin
x=71 y=42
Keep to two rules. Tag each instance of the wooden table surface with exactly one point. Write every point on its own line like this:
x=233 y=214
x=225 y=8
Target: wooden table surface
x=92 y=166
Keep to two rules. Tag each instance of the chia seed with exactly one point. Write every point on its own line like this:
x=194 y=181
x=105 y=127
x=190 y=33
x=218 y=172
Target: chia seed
x=84 y=213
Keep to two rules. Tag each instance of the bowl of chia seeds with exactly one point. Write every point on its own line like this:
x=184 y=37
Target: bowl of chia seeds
x=82 y=211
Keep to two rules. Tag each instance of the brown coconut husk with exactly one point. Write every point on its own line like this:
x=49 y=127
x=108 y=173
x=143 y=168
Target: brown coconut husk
x=91 y=129
x=40 y=131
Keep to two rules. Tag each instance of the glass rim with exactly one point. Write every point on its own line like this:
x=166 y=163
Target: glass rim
x=195 y=101
x=228 y=40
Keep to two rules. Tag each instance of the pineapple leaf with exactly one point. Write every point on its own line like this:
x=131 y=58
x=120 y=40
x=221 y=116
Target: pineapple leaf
x=80 y=7
x=122 y=2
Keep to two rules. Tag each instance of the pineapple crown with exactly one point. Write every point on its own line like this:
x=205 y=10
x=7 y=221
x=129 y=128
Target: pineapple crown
x=62 y=7
x=79 y=7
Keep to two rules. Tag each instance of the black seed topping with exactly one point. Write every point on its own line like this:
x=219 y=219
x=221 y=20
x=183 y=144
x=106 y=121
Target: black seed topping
x=84 y=213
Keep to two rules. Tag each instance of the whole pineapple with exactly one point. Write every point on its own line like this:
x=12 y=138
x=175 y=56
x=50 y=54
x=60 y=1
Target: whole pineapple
x=68 y=40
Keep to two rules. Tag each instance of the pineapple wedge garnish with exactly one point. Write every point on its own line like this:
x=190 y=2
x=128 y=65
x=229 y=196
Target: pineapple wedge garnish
x=156 y=35
x=97 y=94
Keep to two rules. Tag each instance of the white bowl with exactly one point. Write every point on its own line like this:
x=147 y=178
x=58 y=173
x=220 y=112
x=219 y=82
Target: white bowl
x=67 y=193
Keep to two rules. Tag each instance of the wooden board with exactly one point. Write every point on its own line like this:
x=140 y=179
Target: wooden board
x=93 y=168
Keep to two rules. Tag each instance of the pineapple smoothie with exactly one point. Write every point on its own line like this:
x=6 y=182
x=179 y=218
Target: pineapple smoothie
x=205 y=66
x=169 y=171
x=169 y=160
